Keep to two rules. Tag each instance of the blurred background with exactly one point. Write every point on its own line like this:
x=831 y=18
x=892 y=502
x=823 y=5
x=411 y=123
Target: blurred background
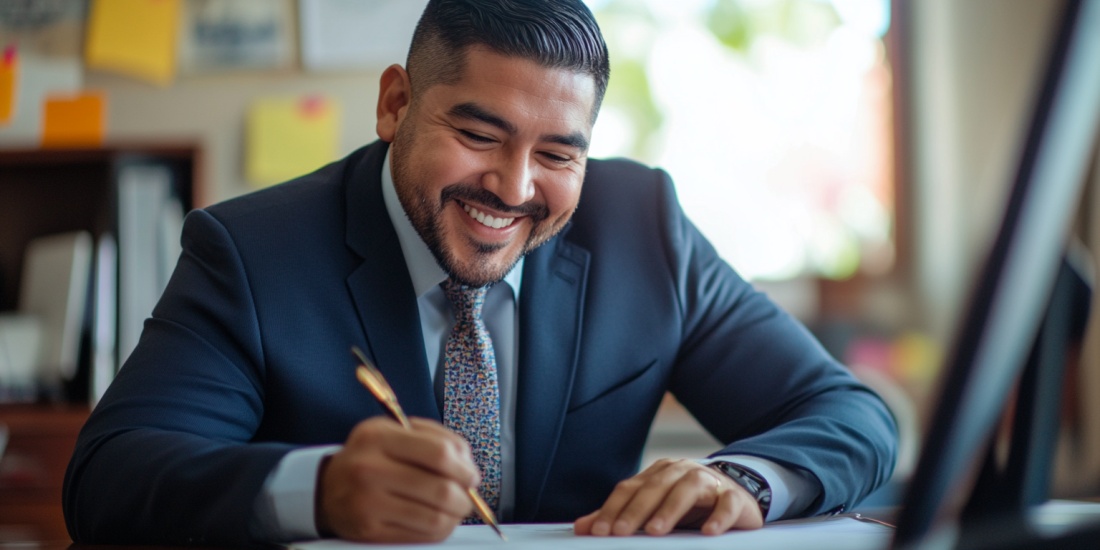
x=851 y=158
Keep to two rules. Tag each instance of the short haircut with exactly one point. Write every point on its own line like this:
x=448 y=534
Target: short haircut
x=557 y=34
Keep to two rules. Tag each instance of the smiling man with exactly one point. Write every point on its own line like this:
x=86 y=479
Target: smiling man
x=530 y=308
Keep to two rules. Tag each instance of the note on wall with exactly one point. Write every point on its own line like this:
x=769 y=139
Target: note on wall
x=356 y=34
x=9 y=84
x=289 y=137
x=134 y=37
x=234 y=35
x=73 y=120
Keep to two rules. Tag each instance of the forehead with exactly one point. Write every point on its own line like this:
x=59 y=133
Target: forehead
x=522 y=90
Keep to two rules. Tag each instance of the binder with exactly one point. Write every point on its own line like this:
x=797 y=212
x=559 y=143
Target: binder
x=55 y=290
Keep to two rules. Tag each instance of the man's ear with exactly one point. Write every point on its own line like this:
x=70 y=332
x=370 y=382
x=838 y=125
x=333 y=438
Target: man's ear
x=394 y=96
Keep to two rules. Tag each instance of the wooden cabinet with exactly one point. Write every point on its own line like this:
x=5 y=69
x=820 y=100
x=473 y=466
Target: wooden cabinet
x=32 y=470
x=44 y=192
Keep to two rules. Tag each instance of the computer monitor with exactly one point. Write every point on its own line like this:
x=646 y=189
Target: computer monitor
x=1014 y=289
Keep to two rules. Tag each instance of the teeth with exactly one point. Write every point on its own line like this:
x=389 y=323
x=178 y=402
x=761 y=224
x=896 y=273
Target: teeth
x=487 y=221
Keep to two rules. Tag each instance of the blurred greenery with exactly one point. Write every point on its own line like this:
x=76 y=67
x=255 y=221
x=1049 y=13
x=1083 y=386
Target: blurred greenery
x=805 y=23
x=629 y=29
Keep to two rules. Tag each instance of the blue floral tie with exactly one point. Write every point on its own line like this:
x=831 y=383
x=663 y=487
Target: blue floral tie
x=471 y=399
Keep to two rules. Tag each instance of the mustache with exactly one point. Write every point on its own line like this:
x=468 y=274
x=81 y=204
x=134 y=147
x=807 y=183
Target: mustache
x=537 y=211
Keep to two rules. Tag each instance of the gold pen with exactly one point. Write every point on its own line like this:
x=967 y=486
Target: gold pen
x=372 y=378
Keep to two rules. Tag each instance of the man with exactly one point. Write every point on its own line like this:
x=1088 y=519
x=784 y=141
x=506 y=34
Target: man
x=529 y=306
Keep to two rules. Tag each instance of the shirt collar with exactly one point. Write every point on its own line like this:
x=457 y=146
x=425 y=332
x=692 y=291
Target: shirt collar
x=423 y=269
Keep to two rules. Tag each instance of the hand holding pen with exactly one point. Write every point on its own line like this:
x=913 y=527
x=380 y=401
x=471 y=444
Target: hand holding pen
x=392 y=484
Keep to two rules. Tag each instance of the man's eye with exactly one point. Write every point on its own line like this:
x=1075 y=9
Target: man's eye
x=556 y=158
x=476 y=138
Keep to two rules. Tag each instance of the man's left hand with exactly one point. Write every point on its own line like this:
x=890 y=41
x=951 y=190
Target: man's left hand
x=670 y=494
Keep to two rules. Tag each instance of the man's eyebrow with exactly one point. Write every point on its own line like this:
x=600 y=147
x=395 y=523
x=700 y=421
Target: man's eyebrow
x=576 y=139
x=473 y=111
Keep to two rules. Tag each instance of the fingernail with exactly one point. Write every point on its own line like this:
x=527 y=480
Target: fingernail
x=622 y=528
x=712 y=527
x=601 y=528
x=657 y=525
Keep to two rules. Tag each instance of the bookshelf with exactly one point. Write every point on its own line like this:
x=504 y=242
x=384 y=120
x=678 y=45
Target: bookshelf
x=44 y=192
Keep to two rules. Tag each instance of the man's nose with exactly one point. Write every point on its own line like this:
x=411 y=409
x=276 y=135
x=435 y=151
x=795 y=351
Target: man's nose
x=512 y=180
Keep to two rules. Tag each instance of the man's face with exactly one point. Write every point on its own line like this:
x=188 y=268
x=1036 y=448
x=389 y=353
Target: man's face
x=491 y=167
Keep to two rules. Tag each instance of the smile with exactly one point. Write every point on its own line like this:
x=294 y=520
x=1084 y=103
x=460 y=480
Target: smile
x=487 y=221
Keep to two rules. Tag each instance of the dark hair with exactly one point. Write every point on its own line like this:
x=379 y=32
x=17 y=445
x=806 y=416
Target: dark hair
x=557 y=34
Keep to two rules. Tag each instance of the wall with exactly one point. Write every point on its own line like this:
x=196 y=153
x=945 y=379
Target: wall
x=975 y=67
x=211 y=110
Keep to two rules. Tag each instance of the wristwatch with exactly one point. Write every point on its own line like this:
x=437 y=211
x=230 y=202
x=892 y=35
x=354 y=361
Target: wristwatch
x=751 y=481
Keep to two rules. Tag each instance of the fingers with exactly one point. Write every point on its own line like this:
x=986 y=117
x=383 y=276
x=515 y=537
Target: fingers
x=407 y=522
x=676 y=483
x=428 y=445
x=736 y=509
x=391 y=484
x=652 y=483
x=412 y=516
x=698 y=488
x=583 y=525
x=671 y=494
x=429 y=490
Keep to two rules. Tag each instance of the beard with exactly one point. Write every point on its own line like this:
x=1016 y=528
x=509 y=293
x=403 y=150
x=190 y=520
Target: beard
x=426 y=215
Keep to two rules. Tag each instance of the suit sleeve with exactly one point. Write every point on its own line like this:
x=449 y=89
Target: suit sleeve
x=762 y=384
x=165 y=457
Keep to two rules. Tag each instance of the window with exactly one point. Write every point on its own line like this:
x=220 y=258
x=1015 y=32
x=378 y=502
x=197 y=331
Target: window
x=774 y=119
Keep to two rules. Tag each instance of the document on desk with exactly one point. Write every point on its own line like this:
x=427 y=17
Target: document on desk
x=840 y=533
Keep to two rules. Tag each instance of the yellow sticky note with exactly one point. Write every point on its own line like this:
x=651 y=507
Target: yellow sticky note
x=134 y=37
x=73 y=120
x=289 y=137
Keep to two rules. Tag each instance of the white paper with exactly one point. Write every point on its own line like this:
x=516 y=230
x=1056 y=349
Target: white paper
x=357 y=34
x=840 y=533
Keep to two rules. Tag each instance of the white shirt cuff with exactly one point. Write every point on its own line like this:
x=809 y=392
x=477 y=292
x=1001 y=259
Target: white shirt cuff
x=793 y=490
x=284 y=507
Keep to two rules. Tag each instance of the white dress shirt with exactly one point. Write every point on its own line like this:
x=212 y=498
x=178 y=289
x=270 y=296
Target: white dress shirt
x=284 y=509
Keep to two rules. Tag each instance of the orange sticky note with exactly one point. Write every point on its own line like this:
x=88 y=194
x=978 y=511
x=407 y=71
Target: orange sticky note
x=134 y=37
x=9 y=83
x=73 y=120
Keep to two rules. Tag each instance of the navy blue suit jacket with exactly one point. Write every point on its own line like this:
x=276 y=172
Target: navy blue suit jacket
x=246 y=358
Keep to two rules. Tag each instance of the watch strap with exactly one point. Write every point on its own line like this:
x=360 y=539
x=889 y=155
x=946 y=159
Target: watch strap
x=752 y=482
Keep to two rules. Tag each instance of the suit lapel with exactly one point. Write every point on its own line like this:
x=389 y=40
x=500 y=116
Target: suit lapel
x=551 y=303
x=382 y=290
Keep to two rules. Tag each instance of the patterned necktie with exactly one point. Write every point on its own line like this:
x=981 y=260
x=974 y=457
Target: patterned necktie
x=471 y=400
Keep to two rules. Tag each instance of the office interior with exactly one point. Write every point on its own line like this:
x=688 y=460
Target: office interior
x=932 y=119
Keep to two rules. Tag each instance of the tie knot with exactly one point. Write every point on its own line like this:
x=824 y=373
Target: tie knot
x=467 y=301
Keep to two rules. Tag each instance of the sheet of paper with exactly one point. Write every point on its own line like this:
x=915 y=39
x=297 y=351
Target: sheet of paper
x=817 y=533
x=134 y=37
x=234 y=35
x=38 y=76
x=289 y=137
x=74 y=120
x=357 y=34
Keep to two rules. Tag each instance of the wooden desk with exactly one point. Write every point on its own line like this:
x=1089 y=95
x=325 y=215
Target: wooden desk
x=32 y=470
